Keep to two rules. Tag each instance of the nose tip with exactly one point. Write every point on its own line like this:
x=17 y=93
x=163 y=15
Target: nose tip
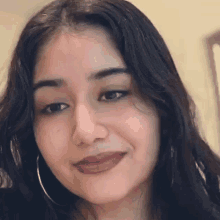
x=87 y=127
x=80 y=138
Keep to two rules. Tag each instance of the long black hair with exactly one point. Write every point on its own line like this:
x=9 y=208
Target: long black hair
x=186 y=176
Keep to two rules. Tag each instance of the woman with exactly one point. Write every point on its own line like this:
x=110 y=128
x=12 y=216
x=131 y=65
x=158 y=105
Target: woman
x=96 y=123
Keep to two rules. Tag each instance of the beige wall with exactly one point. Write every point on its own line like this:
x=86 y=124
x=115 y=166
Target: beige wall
x=185 y=25
x=9 y=24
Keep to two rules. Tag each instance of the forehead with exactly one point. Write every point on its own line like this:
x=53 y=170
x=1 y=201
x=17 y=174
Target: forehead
x=87 y=50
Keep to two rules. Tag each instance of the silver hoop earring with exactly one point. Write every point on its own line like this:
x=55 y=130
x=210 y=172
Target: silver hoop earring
x=41 y=184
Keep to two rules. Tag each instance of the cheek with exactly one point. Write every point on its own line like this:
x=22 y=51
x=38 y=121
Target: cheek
x=145 y=128
x=140 y=127
x=146 y=131
x=143 y=133
x=146 y=144
x=52 y=138
x=135 y=124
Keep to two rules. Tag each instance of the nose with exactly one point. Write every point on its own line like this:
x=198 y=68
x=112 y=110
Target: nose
x=87 y=128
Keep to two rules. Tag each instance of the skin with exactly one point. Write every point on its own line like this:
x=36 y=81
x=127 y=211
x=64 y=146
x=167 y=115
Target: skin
x=118 y=125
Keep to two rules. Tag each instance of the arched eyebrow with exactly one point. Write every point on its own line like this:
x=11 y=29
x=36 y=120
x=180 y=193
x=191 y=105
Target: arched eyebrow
x=48 y=83
x=107 y=72
x=94 y=76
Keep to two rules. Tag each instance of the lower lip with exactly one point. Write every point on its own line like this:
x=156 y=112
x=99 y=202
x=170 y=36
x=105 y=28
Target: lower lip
x=101 y=167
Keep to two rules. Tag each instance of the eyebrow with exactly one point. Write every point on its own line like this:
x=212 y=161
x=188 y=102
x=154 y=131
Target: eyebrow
x=94 y=76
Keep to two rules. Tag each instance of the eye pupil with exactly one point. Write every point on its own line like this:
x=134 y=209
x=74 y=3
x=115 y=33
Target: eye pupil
x=110 y=95
x=55 y=107
x=113 y=96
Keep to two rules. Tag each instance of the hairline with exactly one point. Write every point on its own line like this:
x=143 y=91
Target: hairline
x=78 y=28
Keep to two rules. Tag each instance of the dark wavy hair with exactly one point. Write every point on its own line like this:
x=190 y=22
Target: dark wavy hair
x=186 y=176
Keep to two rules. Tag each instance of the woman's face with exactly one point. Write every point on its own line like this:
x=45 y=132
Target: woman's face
x=72 y=105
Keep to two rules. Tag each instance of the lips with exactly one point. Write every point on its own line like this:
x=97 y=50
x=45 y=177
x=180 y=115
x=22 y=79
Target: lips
x=100 y=163
x=99 y=158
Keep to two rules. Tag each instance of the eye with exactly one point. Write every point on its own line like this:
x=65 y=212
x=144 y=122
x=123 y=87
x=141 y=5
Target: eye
x=54 y=108
x=113 y=95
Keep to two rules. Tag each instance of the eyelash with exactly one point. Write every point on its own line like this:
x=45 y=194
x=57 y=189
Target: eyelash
x=123 y=93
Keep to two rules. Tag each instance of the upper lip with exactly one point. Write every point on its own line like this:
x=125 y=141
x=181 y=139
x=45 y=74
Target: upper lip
x=98 y=158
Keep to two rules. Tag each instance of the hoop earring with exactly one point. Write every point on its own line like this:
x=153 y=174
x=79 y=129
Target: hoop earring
x=41 y=184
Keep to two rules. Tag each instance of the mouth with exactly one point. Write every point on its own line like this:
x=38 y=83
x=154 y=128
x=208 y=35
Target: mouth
x=99 y=163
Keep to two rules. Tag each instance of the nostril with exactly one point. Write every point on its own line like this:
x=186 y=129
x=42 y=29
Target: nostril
x=80 y=144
